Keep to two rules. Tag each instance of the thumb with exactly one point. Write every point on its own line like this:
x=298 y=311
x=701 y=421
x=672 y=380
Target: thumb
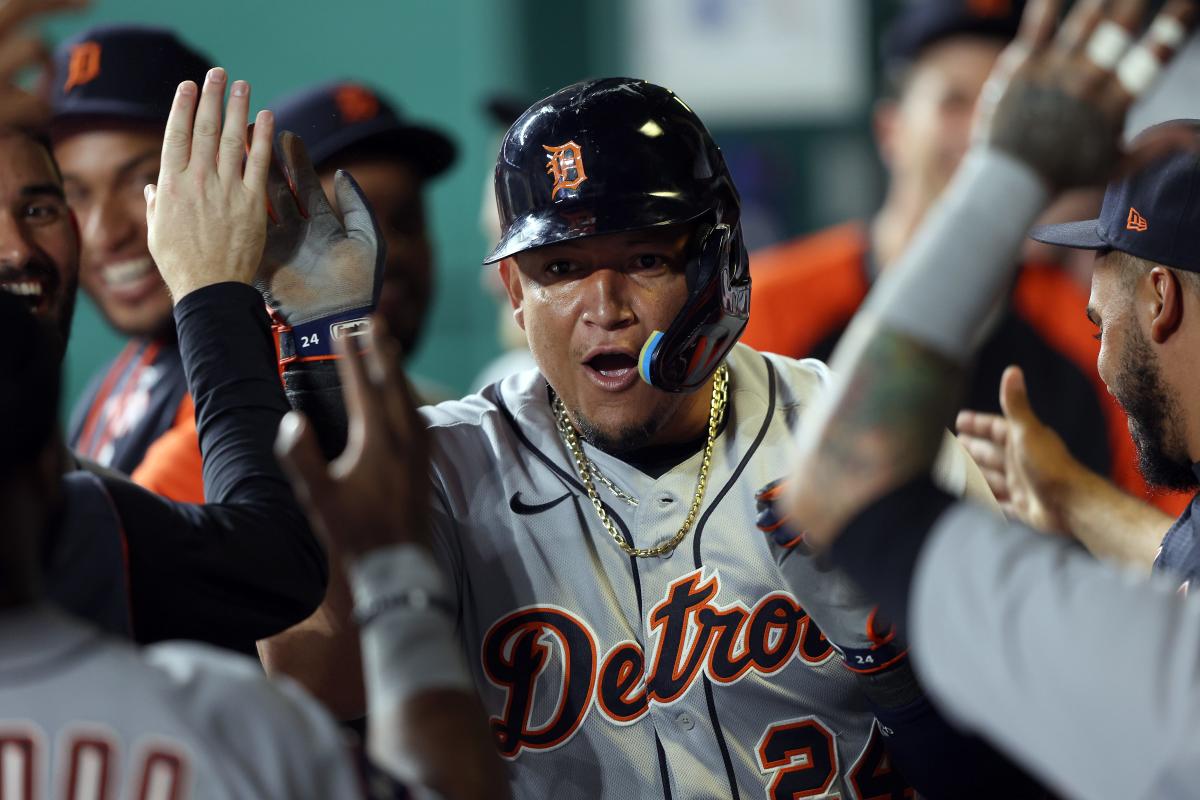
x=1014 y=398
x=151 y=192
x=300 y=455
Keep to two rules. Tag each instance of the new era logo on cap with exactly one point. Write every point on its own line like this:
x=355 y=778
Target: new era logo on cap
x=1168 y=189
x=1135 y=221
x=84 y=66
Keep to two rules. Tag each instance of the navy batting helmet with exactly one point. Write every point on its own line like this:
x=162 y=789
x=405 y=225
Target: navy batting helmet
x=616 y=155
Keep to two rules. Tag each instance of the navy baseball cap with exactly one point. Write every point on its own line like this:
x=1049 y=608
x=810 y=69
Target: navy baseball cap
x=124 y=72
x=922 y=23
x=336 y=117
x=1153 y=214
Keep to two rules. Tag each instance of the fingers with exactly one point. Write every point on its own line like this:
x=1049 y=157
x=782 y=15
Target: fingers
x=15 y=12
x=303 y=176
x=207 y=126
x=151 y=191
x=281 y=197
x=22 y=52
x=233 y=134
x=300 y=455
x=1038 y=23
x=1142 y=65
x=362 y=404
x=258 y=159
x=355 y=208
x=981 y=425
x=177 y=136
x=399 y=405
x=1080 y=24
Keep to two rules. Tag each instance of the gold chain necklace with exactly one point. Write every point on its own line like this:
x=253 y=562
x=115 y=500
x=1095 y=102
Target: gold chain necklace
x=586 y=469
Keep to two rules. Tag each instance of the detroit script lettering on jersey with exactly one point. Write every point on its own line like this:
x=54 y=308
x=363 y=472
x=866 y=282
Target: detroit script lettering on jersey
x=693 y=634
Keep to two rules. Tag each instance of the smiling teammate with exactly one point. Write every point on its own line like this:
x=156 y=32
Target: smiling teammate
x=112 y=92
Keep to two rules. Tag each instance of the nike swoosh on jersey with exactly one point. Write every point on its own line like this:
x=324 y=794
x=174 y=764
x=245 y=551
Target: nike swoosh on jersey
x=525 y=509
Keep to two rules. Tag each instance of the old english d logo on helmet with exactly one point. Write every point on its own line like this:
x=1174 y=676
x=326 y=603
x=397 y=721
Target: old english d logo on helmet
x=565 y=166
x=84 y=66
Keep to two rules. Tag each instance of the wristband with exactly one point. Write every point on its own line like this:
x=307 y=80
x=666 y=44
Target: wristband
x=408 y=644
x=313 y=340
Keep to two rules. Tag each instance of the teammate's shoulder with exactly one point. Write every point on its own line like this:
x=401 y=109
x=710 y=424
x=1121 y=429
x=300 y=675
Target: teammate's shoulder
x=221 y=681
x=285 y=736
x=222 y=688
x=825 y=253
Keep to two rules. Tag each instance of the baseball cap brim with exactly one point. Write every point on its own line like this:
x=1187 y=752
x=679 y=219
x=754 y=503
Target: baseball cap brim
x=555 y=225
x=428 y=150
x=1082 y=235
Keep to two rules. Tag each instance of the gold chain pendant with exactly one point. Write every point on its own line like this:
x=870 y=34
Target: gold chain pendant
x=585 y=468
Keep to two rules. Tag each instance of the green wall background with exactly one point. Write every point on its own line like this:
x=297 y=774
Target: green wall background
x=440 y=60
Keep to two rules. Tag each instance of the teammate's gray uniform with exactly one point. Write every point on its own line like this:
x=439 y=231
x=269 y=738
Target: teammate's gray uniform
x=86 y=717
x=560 y=626
x=1087 y=674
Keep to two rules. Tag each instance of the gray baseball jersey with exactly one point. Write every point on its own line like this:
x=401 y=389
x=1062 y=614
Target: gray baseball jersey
x=694 y=675
x=86 y=717
x=1085 y=673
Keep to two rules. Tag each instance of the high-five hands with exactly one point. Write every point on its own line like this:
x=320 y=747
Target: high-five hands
x=1058 y=97
x=317 y=266
x=1025 y=461
x=207 y=216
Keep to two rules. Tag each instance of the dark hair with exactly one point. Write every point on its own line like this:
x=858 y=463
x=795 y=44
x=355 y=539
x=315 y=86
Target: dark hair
x=29 y=384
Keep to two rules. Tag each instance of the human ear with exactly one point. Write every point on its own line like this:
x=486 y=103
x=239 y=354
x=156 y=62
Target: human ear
x=510 y=275
x=1166 y=304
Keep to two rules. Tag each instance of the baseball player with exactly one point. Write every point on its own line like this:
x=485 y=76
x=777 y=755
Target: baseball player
x=112 y=89
x=1011 y=630
x=629 y=631
x=83 y=715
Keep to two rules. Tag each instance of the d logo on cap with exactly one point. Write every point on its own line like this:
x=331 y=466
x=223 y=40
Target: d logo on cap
x=84 y=65
x=356 y=104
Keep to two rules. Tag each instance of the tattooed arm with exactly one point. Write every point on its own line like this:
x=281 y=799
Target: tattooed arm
x=1049 y=120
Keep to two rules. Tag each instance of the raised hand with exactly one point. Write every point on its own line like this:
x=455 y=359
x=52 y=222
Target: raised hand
x=1059 y=95
x=1025 y=461
x=317 y=266
x=207 y=215
x=21 y=51
x=376 y=493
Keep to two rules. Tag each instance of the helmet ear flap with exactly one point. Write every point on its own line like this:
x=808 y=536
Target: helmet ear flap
x=684 y=356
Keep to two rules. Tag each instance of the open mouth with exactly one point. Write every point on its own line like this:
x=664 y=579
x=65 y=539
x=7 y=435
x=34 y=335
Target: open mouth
x=126 y=274
x=34 y=290
x=612 y=371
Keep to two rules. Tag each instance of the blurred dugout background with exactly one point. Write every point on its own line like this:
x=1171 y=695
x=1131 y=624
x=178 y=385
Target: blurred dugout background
x=785 y=85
